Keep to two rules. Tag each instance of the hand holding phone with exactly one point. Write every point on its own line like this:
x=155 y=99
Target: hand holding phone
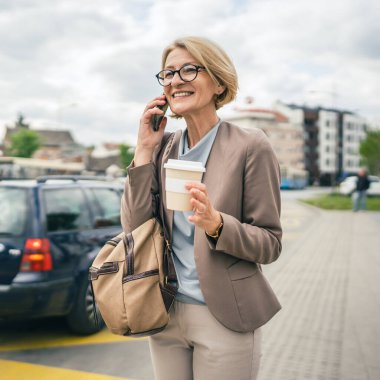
x=156 y=121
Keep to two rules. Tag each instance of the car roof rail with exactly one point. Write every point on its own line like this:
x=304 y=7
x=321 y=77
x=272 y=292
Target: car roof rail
x=12 y=179
x=74 y=178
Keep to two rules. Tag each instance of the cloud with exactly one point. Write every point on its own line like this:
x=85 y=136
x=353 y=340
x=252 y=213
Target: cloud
x=102 y=56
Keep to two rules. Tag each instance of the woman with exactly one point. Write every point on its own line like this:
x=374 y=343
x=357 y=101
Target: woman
x=222 y=297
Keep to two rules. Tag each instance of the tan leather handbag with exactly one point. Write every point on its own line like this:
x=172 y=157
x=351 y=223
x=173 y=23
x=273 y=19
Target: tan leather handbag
x=129 y=279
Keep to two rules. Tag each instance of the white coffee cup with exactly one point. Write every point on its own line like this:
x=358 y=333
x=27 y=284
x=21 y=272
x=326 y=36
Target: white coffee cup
x=178 y=173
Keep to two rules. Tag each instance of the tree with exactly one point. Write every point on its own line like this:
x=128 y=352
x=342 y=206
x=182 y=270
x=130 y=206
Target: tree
x=24 y=143
x=370 y=151
x=20 y=122
x=126 y=154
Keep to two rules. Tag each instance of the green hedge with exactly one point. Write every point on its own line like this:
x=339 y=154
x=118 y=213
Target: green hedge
x=336 y=201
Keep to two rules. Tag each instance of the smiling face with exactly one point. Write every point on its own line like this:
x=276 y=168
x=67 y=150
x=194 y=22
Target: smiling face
x=190 y=98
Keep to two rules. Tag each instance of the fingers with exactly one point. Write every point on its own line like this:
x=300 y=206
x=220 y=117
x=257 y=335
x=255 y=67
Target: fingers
x=159 y=101
x=200 y=203
x=196 y=188
x=163 y=123
x=199 y=195
x=205 y=216
x=150 y=112
x=199 y=200
x=152 y=109
x=148 y=138
x=196 y=219
x=198 y=206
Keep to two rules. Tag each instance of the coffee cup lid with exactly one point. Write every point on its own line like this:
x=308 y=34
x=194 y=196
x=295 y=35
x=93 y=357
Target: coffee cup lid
x=193 y=166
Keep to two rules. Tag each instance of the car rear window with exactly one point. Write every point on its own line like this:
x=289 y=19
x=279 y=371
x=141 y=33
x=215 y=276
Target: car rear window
x=107 y=210
x=14 y=210
x=66 y=209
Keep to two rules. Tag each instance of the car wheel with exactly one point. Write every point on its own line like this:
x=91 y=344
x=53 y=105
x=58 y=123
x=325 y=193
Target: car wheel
x=81 y=319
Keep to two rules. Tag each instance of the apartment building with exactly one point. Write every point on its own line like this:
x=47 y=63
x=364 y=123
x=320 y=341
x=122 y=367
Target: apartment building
x=353 y=133
x=332 y=141
x=328 y=143
x=285 y=137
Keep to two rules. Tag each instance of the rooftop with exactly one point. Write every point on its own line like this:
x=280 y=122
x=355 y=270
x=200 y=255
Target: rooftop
x=49 y=137
x=257 y=112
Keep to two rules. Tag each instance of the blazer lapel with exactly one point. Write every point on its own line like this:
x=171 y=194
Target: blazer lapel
x=213 y=176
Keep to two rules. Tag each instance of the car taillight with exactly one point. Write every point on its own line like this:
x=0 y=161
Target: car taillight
x=37 y=256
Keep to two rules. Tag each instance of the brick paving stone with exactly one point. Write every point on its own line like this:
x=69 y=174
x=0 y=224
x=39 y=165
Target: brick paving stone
x=328 y=283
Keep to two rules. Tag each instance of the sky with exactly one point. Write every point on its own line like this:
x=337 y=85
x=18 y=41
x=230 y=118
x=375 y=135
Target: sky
x=90 y=65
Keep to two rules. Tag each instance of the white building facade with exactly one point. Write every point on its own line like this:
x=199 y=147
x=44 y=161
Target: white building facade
x=332 y=140
x=353 y=133
x=328 y=123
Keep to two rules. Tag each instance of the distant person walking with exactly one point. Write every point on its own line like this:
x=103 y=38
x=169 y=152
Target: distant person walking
x=360 y=193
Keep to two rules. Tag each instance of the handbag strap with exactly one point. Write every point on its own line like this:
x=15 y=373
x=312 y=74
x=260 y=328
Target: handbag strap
x=160 y=210
x=169 y=270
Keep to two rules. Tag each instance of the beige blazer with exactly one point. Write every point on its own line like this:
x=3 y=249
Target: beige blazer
x=243 y=182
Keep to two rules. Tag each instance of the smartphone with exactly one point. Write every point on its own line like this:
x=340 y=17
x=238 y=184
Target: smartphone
x=156 y=121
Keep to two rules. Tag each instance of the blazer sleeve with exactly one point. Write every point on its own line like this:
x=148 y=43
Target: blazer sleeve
x=257 y=237
x=138 y=203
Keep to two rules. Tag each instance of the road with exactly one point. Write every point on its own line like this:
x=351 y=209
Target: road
x=326 y=330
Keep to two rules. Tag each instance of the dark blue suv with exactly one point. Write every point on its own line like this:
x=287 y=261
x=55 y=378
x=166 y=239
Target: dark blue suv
x=51 y=229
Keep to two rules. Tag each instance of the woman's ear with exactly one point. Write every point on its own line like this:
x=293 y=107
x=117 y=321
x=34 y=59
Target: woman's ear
x=220 y=89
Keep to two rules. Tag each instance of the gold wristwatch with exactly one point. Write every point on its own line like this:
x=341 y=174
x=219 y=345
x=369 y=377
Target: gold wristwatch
x=217 y=232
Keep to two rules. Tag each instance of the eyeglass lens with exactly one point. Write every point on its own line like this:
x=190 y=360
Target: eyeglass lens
x=187 y=73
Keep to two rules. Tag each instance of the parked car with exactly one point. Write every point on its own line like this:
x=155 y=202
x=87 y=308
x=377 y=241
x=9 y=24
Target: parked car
x=348 y=185
x=51 y=229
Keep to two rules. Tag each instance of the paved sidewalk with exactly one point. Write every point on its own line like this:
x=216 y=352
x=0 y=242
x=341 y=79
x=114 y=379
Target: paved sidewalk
x=327 y=279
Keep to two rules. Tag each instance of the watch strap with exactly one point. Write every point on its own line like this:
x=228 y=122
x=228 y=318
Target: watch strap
x=217 y=231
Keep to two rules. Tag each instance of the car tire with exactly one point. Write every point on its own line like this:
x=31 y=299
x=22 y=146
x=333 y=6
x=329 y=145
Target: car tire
x=81 y=319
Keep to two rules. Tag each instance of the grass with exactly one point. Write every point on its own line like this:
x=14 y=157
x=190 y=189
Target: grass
x=336 y=201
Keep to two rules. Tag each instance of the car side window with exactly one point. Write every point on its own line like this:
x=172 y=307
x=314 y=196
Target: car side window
x=107 y=207
x=14 y=211
x=66 y=209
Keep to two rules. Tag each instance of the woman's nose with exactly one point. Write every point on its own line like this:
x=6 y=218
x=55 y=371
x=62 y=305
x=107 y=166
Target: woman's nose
x=176 y=79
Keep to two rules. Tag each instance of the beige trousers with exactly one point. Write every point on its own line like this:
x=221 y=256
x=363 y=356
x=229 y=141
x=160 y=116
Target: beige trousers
x=196 y=346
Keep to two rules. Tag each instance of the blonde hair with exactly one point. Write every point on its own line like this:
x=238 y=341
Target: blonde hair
x=217 y=63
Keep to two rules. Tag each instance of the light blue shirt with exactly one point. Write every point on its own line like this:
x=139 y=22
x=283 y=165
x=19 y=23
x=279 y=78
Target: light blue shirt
x=189 y=290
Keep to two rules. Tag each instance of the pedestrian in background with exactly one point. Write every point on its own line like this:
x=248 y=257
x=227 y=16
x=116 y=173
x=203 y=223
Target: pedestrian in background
x=223 y=299
x=360 y=193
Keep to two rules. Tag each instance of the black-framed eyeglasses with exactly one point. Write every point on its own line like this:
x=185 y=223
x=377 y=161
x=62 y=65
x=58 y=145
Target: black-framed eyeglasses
x=187 y=73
